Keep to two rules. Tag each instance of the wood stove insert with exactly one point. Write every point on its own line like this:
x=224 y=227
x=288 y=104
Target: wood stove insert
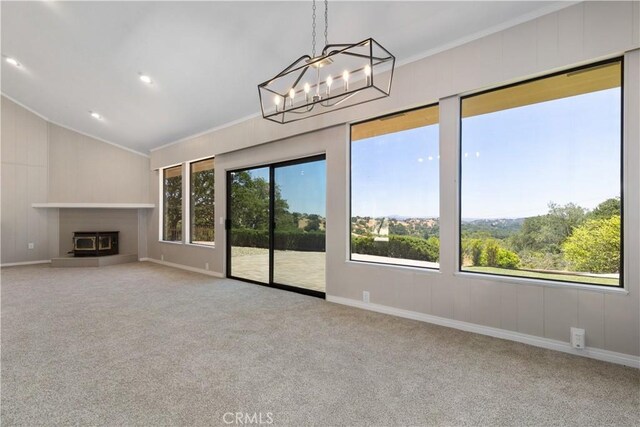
x=95 y=243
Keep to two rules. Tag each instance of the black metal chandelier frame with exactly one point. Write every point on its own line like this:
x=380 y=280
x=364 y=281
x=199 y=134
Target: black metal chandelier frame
x=318 y=97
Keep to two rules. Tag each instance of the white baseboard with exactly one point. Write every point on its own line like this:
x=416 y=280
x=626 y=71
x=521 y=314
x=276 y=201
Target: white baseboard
x=593 y=353
x=15 y=264
x=183 y=267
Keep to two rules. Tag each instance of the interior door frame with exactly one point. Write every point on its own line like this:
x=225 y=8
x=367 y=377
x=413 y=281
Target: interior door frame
x=272 y=167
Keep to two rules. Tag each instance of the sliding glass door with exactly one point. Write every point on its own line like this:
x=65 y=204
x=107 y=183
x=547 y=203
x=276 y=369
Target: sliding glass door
x=248 y=217
x=299 y=237
x=276 y=225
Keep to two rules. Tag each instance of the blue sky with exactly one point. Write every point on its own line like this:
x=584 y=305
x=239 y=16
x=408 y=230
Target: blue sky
x=396 y=174
x=517 y=161
x=303 y=186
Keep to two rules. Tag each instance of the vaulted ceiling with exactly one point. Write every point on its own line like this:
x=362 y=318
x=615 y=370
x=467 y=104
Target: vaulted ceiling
x=205 y=58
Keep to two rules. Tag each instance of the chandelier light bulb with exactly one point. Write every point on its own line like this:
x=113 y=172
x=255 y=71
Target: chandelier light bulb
x=292 y=94
x=276 y=100
x=367 y=73
x=307 y=89
x=329 y=82
x=345 y=79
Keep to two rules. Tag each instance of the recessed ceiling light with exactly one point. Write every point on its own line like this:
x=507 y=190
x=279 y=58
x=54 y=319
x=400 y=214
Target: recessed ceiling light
x=145 y=79
x=95 y=115
x=14 y=62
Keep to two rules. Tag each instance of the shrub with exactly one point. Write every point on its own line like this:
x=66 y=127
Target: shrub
x=366 y=245
x=249 y=237
x=491 y=249
x=595 y=246
x=476 y=252
x=404 y=247
x=507 y=259
x=313 y=241
x=292 y=240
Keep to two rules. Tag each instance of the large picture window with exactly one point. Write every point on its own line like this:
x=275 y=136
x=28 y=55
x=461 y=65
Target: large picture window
x=202 y=204
x=394 y=189
x=172 y=204
x=540 y=178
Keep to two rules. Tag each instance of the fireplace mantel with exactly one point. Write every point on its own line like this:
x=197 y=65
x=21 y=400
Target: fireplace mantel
x=59 y=205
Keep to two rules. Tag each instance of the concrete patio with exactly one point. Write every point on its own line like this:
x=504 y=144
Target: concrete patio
x=294 y=268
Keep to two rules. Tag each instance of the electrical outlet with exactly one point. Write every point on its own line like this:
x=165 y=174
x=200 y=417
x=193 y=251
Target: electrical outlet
x=577 y=338
x=221 y=220
x=162 y=257
x=31 y=245
x=365 y=296
x=206 y=265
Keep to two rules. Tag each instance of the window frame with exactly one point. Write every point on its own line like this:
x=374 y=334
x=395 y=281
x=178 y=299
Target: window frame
x=161 y=203
x=541 y=280
x=350 y=190
x=189 y=208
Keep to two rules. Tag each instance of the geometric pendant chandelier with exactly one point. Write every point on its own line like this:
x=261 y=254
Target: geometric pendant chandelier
x=343 y=75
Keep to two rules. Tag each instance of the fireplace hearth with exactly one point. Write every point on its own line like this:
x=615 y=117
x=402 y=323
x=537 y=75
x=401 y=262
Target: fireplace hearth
x=95 y=243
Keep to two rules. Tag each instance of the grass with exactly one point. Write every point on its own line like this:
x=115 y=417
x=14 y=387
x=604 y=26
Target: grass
x=548 y=276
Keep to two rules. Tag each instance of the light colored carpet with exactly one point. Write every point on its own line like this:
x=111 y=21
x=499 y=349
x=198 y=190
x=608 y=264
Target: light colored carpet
x=142 y=344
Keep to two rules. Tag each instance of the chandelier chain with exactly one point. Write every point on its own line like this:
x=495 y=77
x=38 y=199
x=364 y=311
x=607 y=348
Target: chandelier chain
x=326 y=22
x=313 y=26
x=313 y=31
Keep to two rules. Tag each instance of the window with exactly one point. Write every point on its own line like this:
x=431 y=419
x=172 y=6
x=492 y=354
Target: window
x=394 y=189
x=540 y=178
x=172 y=204
x=202 y=217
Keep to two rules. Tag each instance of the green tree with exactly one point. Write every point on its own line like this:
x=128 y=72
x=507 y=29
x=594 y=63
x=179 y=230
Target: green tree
x=546 y=233
x=250 y=203
x=202 y=205
x=172 y=208
x=313 y=223
x=595 y=246
x=477 y=248
x=398 y=229
x=606 y=209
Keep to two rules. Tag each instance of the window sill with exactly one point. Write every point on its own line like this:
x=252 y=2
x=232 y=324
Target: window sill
x=197 y=245
x=170 y=242
x=545 y=283
x=395 y=266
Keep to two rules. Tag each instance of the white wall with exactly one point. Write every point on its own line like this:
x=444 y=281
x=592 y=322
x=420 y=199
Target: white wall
x=87 y=170
x=573 y=36
x=44 y=162
x=25 y=167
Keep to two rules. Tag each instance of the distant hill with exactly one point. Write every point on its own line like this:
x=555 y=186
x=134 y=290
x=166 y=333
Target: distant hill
x=499 y=228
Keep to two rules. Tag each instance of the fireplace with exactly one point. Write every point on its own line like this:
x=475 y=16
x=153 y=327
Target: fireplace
x=95 y=243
